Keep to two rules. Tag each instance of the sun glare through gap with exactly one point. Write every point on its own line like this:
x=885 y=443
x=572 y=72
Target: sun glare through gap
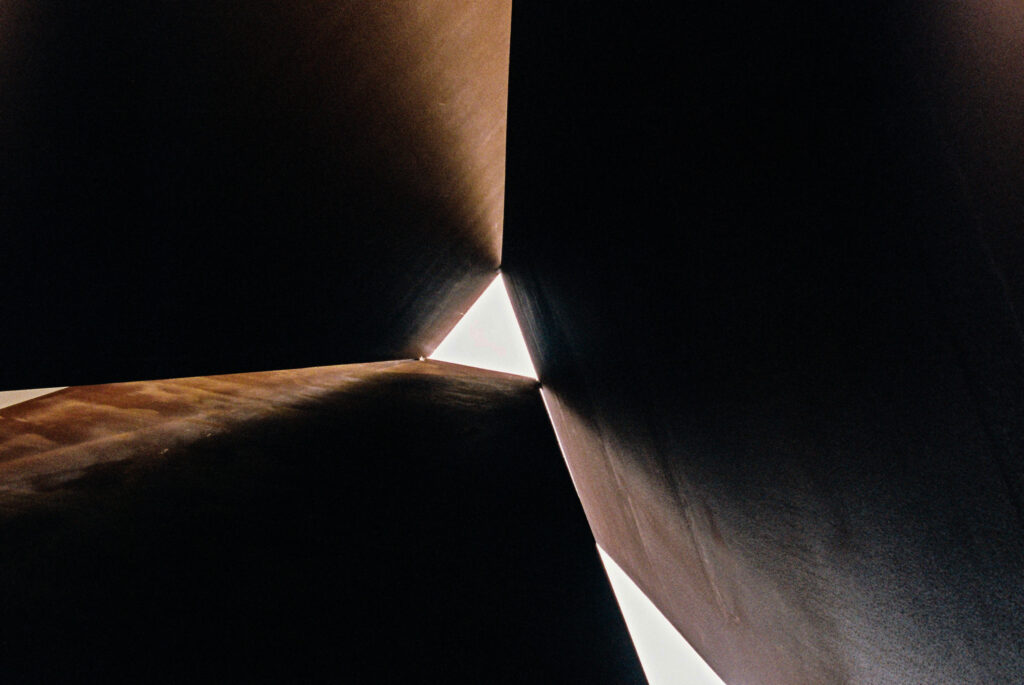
x=488 y=336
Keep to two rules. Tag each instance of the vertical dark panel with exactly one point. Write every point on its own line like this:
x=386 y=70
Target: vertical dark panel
x=971 y=64
x=784 y=368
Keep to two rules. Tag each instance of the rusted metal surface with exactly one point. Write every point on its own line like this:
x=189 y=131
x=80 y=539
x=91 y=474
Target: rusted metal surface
x=52 y=440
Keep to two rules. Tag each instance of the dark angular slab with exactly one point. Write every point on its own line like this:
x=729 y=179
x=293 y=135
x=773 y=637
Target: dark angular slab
x=391 y=522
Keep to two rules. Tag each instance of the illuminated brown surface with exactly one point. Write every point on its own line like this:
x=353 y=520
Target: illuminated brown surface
x=208 y=187
x=56 y=439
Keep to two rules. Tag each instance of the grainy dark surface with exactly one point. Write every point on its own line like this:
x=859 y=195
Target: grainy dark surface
x=210 y=186
x=761 y=255
x=374 y=523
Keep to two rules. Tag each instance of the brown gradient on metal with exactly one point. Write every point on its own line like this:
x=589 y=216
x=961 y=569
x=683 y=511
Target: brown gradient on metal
x=971 y=57
x=674 y=549
x=53 y=439
x=424 y=84
x=233 y=188
x=56 y=438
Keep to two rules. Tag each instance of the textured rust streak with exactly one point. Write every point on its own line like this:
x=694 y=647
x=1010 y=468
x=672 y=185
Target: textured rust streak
x=56 y=437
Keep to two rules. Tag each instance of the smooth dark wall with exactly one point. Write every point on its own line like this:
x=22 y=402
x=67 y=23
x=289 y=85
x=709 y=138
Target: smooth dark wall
x=768 y=312
x=209 y=187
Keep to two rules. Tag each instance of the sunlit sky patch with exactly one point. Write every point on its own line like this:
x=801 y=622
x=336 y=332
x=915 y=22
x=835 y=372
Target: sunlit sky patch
x=488 y=336
x=667 y=658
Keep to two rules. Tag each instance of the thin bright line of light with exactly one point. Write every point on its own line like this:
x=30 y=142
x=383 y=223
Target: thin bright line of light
x=11 y=397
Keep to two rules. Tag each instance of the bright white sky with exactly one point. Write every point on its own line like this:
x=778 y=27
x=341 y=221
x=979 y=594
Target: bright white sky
x=667 y=658
x=9 y=397
x=488 y=336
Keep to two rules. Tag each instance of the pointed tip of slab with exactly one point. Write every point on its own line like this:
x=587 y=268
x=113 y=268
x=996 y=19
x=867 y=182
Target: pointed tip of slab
x=488 y=336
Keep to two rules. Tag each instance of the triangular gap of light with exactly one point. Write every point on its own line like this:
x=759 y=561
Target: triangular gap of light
x=667 y=658
x=11 y=397
x=488 y=336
